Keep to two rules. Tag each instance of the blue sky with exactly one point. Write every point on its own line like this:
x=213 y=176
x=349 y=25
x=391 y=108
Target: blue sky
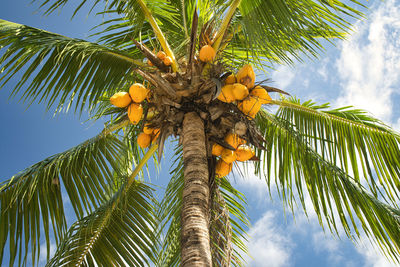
x=363 y=71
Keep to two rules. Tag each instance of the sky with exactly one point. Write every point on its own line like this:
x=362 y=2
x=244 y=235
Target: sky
x=363 y=71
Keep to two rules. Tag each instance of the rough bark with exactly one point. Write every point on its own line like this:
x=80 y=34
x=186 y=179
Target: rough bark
x=195 y=239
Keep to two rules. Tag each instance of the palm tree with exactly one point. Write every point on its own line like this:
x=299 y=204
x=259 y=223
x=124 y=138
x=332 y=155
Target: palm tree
x=346 y=161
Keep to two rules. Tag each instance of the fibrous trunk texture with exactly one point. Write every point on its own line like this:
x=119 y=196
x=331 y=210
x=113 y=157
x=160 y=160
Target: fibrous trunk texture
x=195 y=239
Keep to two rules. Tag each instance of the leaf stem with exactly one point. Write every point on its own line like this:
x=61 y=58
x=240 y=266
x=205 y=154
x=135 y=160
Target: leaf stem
x=225 y=24
x=115 y=127
x=159 y=34
x=133 y=61
x=137 y=169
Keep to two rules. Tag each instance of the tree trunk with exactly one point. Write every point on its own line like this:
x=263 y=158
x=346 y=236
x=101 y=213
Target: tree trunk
x=195 y=239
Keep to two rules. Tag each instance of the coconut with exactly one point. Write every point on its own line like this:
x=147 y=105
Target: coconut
x=246 y=76
x=234 y=140
x=121 y=99
x=226 y=94
x=250 y=106
x=231 y=79
x=216 y=150
x=167 y=61
x=161 y=55
x=228 y=155
x=147 y=129
x=143 y=140
x=222 y=168
x=244 y=153
x=138 y=92
x=261 y=94
x=135 y=112
x=207 y=53
x=240 y=91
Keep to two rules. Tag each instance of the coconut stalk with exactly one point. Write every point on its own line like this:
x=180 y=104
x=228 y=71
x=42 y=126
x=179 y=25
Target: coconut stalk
x=159 y=34
x=224 y=25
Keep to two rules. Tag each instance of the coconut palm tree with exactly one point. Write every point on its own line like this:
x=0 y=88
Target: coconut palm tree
x=347 y=162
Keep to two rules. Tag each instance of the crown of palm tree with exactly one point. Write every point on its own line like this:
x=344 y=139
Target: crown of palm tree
x=303 y=148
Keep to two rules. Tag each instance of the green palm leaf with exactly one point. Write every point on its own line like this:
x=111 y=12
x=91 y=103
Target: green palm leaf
x=336 y=197
x=352 y=139
x=65 y=70
x=280 y=29
x=118 y=233
x=32 y=199
x=272 y=30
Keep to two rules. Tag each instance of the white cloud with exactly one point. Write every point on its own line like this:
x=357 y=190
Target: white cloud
x=43 y=251
x=268 y=243
x=283 y=76
x=373 y=257
x=246 y=180
x=396 y=125
x=323 y=70
x=369 y=64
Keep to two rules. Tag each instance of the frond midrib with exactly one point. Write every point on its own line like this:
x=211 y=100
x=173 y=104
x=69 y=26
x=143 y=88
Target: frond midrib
x=331 y=117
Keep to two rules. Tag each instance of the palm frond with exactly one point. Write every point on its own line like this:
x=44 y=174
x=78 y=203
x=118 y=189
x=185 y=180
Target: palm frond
x=32 y=199
x=136 y=10
x=280 y=31
x=61 y=70
x=361 y=145
x=125 y=223
x=338 y=199
x=118 y=233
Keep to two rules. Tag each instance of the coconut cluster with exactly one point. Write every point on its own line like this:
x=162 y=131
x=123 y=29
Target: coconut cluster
x=240 y=90
x=148 y=136
x=241 y=152
x=133 y=102
x=163 y=57
x=200 y=83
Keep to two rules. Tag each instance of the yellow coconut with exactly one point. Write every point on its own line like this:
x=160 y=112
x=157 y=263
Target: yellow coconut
x=161 y=55
x=226 y=94
x=250 y=106
x=207 y=53
x=222 y=168
x=216 y=150
x=228 y=155
x=246 y=76
x=244 y=153
x=121 y=99
x=135 y=112
x=149 y=63
x=144 y=140
x=167 y=61
x=262 y=95
x=147 y=129
x=138 y=92
x=234 y=140
x=240 y=91
x=231 y=79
